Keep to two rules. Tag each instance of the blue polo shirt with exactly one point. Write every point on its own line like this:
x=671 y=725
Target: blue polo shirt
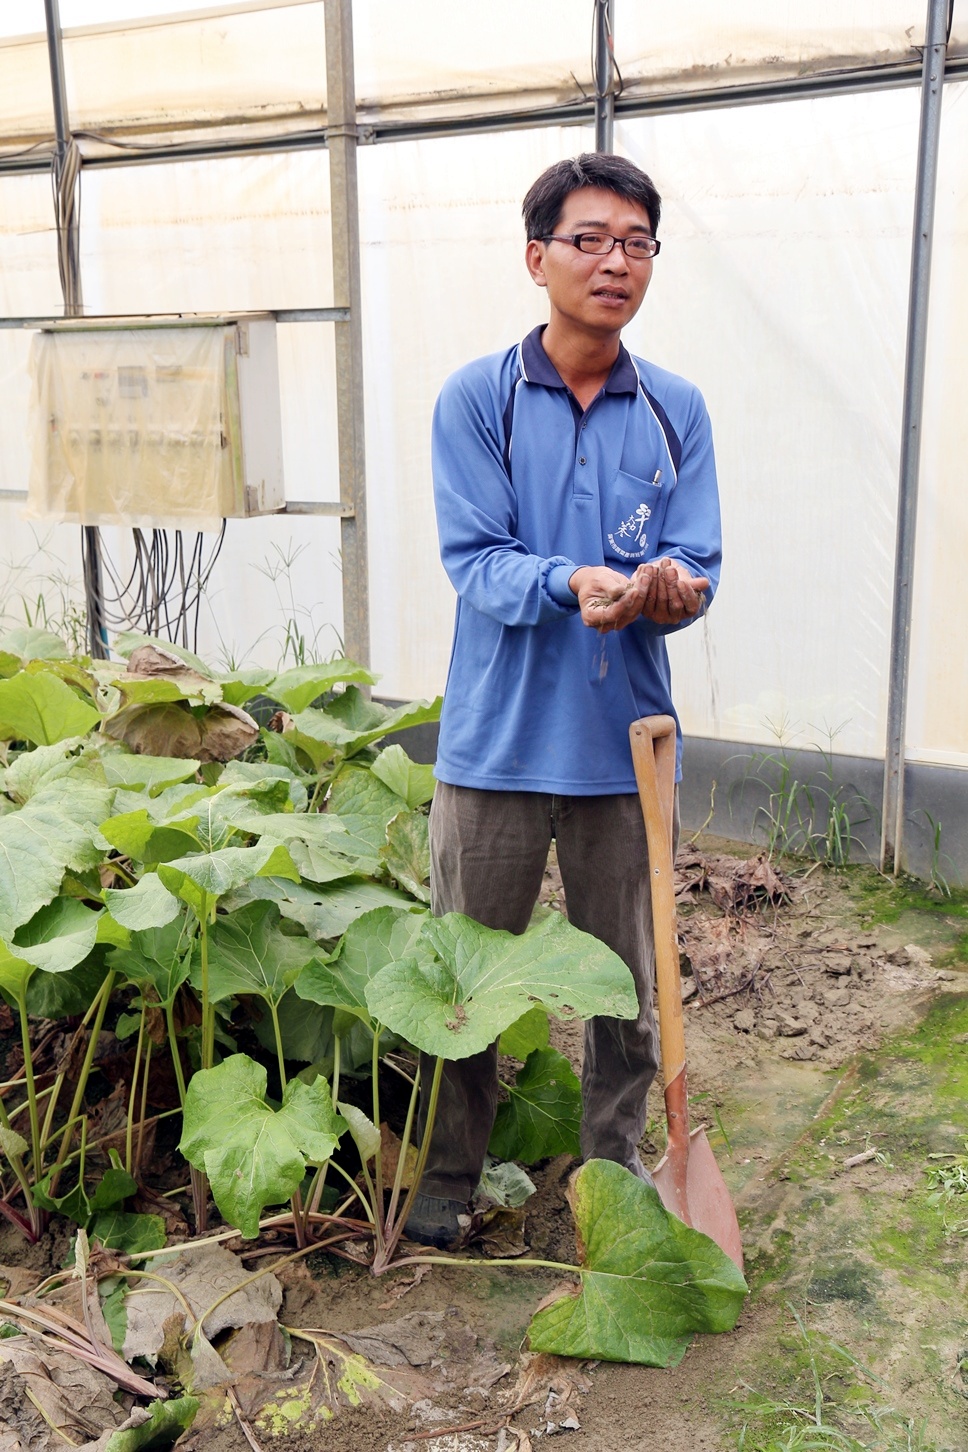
x=527 y=488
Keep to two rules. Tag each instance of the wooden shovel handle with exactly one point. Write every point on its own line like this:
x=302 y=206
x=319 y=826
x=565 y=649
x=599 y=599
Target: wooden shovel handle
x=653 y=741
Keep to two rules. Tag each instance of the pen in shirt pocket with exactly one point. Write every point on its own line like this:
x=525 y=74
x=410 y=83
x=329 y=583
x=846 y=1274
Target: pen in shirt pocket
x=658 y=476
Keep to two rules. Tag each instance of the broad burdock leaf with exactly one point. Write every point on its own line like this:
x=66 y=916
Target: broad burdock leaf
x=324 y=912
x=14 y=972
x=407 y=853
x=139 y=773
x=305 y=1028
x=30 y=642
x=52 y=832
x=364 y=805
x=58 y=937
x=43 y=709
x=465 y=984
x=530 y=1032
x=158 y=956
x=172 y=729
x=300 y=687
x=57 y=995
x=33 y=770
x=411 y=780
x=369 y=944
x=148 y=904
x=351 y=722
x=243 y=685
x=247 y=953
x=253 y=1155
x=210 y=874
x=648 y=1282
x=321 y=846
x=114 y=1186
x=135 y=835
x=542 y=1115
x=243 y=773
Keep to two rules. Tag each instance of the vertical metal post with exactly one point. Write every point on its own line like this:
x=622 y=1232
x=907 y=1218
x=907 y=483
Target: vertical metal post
x=602 y=59
x=932 y=86
x=341 y=140
x=66 y=174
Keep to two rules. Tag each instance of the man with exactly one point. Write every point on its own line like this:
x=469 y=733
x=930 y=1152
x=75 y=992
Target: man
x=579 y=523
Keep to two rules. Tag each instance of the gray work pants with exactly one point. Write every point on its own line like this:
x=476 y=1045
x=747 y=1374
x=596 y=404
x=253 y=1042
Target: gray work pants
x=488 y=855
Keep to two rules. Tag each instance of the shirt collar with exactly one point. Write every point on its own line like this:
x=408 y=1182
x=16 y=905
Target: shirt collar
x=538 y=367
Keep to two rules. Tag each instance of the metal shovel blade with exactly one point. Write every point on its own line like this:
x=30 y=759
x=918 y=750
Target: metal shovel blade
x=710 y=1206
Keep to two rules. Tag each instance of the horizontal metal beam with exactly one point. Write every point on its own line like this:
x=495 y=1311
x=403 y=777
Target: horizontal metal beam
x=292 y=506
x=177 y=320
x=570 y=113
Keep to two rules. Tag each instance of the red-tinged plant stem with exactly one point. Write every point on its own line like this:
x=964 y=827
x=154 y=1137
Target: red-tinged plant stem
x=144 y=1111
x=318 y=1183
x=132 y=1094
x=104 y=994
x=376 y=1190
x=394 y=1231
x=59 y=1081
x=404 y=1146
x=36 y=1151
x=28 y=1226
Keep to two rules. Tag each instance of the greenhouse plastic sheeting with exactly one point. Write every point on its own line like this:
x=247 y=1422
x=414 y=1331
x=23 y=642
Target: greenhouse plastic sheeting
x=178 y=76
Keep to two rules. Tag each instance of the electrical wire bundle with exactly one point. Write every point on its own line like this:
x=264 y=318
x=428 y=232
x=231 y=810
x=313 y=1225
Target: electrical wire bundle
x=163 y=592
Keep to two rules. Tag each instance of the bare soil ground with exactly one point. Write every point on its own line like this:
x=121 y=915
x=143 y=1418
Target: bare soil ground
x=792 y=985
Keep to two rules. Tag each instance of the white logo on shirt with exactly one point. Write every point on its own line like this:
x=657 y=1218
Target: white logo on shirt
x=631 y=532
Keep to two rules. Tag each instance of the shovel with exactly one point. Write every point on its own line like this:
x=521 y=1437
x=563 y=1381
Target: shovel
x=688 y=1179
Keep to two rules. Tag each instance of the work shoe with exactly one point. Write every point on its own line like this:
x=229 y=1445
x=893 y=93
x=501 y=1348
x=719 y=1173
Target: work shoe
x=434 y=1221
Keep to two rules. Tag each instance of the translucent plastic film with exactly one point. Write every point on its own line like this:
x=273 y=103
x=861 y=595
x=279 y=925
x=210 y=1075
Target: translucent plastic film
x=232 y=68
x=130 y=427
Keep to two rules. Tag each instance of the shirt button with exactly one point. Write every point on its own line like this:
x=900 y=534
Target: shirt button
x=582 y=459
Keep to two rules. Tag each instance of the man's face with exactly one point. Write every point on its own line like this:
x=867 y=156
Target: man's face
x=595 y=294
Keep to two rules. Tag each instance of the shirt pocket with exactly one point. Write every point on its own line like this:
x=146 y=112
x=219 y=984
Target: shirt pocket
x=632 y=513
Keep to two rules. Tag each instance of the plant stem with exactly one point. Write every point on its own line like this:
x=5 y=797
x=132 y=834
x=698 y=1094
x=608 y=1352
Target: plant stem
x=58 y=1082
x=395 y=1231
x=175 y=1053
x=36 y=1151
x=208 y=1010
x=17 y=1165
x=318 y=1183
x=376 y=1191
x=132 y=1094
x=104 y=994
x=355 y=1188
x=404 y=1146
x=277 y=1031
x=144 y=1111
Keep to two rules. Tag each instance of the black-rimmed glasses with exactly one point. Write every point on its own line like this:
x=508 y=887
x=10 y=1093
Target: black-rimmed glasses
x=600 y=244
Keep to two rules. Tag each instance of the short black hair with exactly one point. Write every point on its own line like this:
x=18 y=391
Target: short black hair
x=546 y=198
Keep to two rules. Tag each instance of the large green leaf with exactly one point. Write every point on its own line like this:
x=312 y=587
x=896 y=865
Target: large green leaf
x=58 y=937
x=411 y=780
x=135 y=835
x=42 y=709
x=247 y=953
x=58 y=995
x=53 y=831
x=153 y=773
x=648 y=1282
x=158 y=956
x=300 y=687
x=253 y=1155
x=351 y=722
x=30 y=642
x=369 y=944
x=321 y=846
x=211 y=874
x=33 y=770
x=306 y=1030
x=235 y=773
x=364 y=804
x=324 y=912
x=14 y=972
x=542 y=1115
x=148 y=904
x=528 y=1033
x=122 y=1230
x=243 y=685
x=466 y=983
x=407 y=853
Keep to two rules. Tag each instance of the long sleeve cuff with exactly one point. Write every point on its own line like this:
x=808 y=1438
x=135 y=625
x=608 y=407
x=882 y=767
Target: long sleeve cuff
x=556 y=583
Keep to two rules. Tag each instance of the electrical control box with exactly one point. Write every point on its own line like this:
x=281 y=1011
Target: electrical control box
x=156 y=422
